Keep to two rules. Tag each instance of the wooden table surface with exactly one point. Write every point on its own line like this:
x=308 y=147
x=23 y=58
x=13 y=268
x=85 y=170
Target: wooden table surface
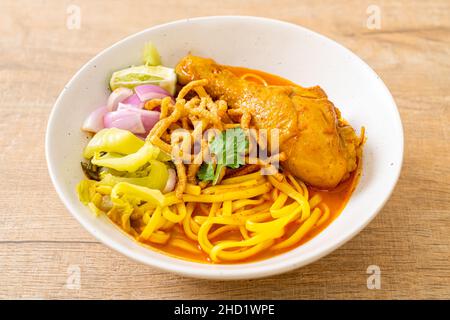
x=42 y=247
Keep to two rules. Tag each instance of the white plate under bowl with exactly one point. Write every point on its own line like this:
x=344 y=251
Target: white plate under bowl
x=281 y=48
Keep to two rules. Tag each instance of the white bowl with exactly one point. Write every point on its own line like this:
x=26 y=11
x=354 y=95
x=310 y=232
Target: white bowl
x=281 y=48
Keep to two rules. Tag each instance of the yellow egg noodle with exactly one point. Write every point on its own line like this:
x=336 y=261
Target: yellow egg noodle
x=240 y=216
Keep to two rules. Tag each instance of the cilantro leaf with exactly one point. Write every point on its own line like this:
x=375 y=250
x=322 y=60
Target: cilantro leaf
x=229 y=147
x=206 y=172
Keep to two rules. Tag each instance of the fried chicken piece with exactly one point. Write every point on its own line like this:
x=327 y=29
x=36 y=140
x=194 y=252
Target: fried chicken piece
x=321 y=147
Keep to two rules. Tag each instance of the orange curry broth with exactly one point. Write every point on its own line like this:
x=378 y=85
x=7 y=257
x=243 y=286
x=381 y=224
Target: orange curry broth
x=336 y=200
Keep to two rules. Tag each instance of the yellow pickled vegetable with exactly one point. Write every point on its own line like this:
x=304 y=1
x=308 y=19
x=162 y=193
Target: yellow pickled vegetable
x=131 y=162
x=131 y=191
x=156 y=179
x=113 y=140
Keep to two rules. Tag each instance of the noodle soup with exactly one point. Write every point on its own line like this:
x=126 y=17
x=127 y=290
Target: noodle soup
x=236 y=195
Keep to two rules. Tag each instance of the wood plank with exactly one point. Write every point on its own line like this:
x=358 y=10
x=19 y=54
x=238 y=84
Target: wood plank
x=409 y=239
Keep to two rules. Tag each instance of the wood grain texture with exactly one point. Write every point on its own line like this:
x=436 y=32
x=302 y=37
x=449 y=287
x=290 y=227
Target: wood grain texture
x=409 y=239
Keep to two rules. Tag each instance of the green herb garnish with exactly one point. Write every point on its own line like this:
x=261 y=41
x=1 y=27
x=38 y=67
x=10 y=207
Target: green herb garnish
x=229 y=149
